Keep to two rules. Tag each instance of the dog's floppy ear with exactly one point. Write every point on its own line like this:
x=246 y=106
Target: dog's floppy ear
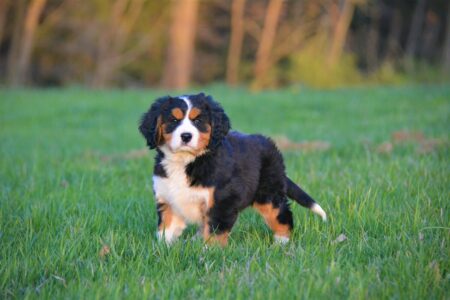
x=150 y=125
x=220 y=122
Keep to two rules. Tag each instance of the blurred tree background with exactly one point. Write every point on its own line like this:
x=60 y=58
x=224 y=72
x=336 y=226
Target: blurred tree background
x=259 y=43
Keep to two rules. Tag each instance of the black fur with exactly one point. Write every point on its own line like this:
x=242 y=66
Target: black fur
x=243 y=169
x=158 y=169
x=159 y=209
x=149 y=121
x=299 y=195
x=220 y=123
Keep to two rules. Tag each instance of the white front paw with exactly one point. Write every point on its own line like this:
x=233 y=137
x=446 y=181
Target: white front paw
x=281 y=239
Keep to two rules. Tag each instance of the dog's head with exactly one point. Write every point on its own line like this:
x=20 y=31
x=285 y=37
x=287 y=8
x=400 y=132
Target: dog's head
x=190 y=123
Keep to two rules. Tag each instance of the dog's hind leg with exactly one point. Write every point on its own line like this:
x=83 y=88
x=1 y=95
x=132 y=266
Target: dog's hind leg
x=279 y=219
x=270 y=197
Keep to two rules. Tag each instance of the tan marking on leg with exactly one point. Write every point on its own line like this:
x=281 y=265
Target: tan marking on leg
x=171 y=226
x=166 y=216
x=219 y=239
x=177 y=113
x=205 y=225
x=270 y=215
x=211 y=238
x=194 y=113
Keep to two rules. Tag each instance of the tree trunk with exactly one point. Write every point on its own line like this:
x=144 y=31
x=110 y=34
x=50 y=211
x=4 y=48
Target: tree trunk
x=430 y=36
x=262 y=63
x=236 y=40
x=415 y=30
x=181 y=46
x=34 y=11
x=14 y=48
x=107 y=46
x=373 y=39
x=340 y=32
x=393 y=41
x=112 y=40
x=4 y=6
x=446 y=48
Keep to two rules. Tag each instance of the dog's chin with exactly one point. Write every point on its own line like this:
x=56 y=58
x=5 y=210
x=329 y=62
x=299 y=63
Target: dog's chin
x=184 y=149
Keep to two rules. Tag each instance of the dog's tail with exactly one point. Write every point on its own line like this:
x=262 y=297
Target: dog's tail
x=301 y=197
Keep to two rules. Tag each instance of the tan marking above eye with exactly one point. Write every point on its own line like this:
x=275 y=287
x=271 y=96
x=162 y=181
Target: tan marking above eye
x=195 y=112
x=177 y=113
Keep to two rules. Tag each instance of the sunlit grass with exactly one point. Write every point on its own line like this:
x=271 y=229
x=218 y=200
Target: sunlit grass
x=69 y=187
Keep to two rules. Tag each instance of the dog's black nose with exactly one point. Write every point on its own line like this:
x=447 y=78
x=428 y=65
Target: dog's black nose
x=186 y=137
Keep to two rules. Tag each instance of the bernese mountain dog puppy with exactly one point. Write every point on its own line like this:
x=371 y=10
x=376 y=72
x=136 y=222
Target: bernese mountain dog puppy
x=206 y=174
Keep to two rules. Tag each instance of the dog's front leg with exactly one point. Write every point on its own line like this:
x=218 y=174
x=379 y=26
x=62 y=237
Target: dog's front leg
x=170 y=225
x=218 y=223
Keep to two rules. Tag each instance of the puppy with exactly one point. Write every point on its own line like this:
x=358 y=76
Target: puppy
x=206 y=174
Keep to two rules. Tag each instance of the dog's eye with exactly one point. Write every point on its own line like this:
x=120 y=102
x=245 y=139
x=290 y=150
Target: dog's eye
x=175 y=121
x=197 y=121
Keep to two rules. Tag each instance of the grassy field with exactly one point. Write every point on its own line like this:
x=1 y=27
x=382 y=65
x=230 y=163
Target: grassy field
x=77 y=217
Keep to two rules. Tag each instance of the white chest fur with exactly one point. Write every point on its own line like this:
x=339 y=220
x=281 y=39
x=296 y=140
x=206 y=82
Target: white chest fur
x=187 y=202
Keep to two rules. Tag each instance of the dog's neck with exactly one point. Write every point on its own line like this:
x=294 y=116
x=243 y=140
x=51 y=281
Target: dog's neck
x=197 y=168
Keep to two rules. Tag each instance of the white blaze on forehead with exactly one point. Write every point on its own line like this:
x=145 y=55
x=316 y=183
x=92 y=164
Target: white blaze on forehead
x=187 y=101
x=185 y=126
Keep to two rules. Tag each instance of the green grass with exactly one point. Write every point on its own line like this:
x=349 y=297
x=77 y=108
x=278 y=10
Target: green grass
x=68 y=187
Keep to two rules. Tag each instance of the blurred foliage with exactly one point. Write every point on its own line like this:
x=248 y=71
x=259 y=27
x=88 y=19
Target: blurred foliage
x=309 y=66
x=388 y=74
x=320 y=43
x=77 y=46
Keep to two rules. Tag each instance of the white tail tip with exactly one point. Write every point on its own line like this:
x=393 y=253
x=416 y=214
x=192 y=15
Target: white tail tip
x=318 y=210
